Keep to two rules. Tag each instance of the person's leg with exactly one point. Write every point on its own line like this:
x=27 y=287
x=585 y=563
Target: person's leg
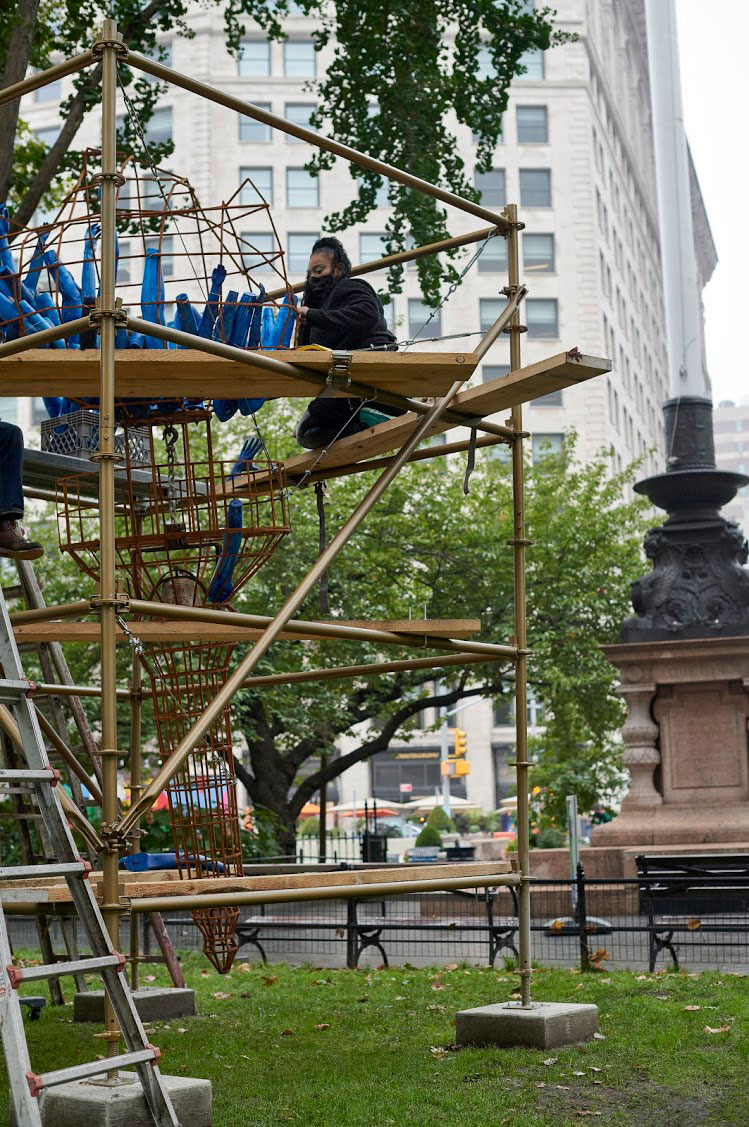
x=11 y=471
x=13 y=543
x=327 y=419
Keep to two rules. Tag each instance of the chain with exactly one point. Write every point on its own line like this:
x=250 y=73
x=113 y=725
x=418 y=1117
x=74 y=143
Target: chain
x=171 y=437
x=451 y=290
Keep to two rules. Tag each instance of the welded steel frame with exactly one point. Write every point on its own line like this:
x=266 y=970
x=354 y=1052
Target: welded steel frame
x=109 y=50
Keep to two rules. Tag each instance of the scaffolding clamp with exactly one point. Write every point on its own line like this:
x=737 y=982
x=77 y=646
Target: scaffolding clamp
x=99 y=311
x=339 y=375
x=119 y=601
x=114 y=839
x=108 y=40
x=115 y=178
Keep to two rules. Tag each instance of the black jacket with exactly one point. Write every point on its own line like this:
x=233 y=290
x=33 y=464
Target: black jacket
x=350 y=317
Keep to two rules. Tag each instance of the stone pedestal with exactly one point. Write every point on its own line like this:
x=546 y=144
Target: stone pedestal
x=153 y=1003
x=685 y=742
x=542 y=1025
x=86 y=1103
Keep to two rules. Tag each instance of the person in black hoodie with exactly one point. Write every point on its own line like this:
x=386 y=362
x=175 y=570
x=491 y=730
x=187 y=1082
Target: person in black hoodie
x=342 y=313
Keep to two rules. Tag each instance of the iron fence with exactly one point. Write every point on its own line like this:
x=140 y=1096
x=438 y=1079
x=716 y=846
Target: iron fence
x=594 y=923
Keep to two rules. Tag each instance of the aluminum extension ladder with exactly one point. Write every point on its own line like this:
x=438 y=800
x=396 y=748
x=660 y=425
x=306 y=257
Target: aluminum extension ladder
x=27 y=1086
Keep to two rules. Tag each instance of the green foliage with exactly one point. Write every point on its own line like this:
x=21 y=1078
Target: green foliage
x=441 y=821
x=430 y=835
x=551 y=838
x=309 y=827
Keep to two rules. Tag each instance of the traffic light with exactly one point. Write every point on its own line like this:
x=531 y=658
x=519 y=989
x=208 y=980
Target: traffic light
x=461 y=743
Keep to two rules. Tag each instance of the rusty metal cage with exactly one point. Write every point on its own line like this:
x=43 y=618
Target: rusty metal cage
x=185 y=520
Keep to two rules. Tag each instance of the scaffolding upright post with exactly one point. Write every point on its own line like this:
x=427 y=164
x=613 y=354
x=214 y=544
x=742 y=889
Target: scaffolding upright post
x=108 y=48
x=521 y=667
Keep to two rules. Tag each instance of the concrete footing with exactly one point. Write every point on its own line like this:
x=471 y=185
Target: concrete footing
x=86 y=1103
x=153 y=1004
x=543 y=1025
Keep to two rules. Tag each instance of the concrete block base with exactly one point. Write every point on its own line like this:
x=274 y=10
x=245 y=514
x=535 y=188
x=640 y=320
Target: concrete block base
x=86 y=1103
x=544 y=1025
x=153 y=1004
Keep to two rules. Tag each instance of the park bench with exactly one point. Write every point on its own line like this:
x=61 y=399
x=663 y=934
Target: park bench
x=361 y=932
x=676 y=891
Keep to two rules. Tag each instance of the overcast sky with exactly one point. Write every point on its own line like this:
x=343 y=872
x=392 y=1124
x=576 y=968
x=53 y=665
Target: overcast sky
x=713 y=39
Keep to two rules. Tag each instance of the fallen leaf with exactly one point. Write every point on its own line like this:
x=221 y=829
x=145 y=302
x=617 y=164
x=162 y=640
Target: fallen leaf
x=287 y=1032
x=598 y=1081
x=642 y=978
x=437 y=1051
x=182 y=1030
x=599 y=1037
x=434 y=1006
x=604 y=981
x=340 y=932
x=540 y=1083
x=557 y=925
x=322 y=1025
x=452 y=966
x=549 y=1061
x=150 y=977
x=578 y=1073
x=562 y=1087
x=694 y=925
x=269 y=979
x=400 y=997
x=594 y=1068
x=222 y=995
x=692 y=1008
x=205 y=974
x=437 y=984
x=717 y=1029
x=243 y=967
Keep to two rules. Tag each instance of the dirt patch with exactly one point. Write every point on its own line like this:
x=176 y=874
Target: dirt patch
x=644 y=1102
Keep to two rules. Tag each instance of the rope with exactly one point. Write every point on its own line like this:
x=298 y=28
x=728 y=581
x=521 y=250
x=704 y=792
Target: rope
x=453 y=287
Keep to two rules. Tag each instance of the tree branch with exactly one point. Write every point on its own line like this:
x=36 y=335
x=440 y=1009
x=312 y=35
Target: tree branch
x=16 y=64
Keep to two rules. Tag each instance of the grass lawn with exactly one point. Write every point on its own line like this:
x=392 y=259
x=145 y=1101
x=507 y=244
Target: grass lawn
x=371 y=1048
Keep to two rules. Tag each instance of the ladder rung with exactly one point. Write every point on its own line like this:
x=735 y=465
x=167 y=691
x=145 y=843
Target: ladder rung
x=30 y=872
x=16 y=975
x=25 y=775
x=38 y=1083
x=12 y=691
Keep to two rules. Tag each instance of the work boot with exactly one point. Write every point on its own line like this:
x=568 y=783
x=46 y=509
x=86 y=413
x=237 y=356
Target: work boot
x=13 y=542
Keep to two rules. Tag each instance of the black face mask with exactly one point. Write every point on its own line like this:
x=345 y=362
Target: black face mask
x=317 y=288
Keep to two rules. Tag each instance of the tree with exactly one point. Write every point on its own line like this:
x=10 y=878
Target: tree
x=427 y=545
x=393 y=86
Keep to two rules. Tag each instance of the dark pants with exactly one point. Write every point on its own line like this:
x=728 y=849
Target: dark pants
x=327 y=420
x=11 y=470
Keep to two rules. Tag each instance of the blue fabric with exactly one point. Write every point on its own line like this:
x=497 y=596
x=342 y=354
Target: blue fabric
x=11 y=470
x=67 y=288
x=89 y=287
x=152 y=294
x=241 y=322
x=6 y=258
x=37 y=262
x=257 y=321
x=221 y=585
x=207 y=321
x=225 y=322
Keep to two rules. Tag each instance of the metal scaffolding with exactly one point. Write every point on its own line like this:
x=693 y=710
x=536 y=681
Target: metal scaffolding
x=450 y=408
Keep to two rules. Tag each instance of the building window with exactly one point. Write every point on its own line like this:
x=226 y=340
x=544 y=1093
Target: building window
x=298 y=113
x=493 y=258
x=544 y=445
x=302 y=190
x=494 y=372
x=299 y=248
x=261 y=187
x=492 y=187
x=371 y=246
x=533 y=125
x=535 y=187
x=538 y=253
x=485 y=67
x=161 y=53
x=418 y=314
x=489 y=310
x=48 y=135
x=551 y=399
x=254 y=58
x=503 y=713
x=299 y=59
x=389 y=314
x=9 y=409
x=256 y=247
x=251 y=130
x=533 y=61
x=49 y=93
x=159 y=126
x=541 y=317
x=144 y=194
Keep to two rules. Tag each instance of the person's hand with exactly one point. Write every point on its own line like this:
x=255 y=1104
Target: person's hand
x=303 y=311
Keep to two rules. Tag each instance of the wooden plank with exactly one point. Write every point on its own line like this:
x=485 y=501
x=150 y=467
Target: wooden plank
x=163 y=631
x=563 y=370
x=52 y=890
x=175 y=372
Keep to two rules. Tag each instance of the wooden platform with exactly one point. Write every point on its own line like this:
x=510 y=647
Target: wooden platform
x=53 y=890
x=155 y=372
x=556 y=372
x=163 y=631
